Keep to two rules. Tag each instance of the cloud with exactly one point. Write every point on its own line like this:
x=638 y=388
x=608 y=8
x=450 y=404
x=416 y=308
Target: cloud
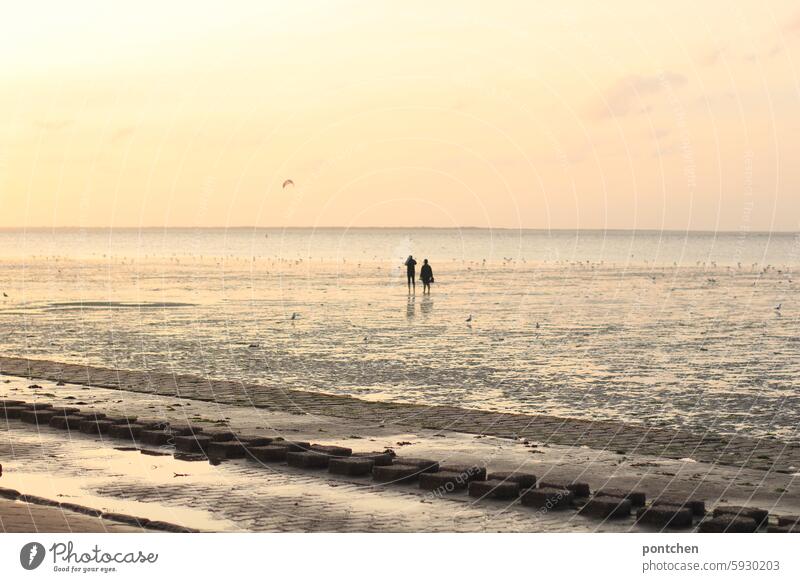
x=627 y=95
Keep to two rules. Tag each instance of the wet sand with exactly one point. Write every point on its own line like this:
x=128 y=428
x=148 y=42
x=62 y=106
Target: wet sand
x=241 y=495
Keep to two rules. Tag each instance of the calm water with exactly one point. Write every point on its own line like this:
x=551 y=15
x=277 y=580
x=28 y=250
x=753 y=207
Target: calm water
x=662 y=328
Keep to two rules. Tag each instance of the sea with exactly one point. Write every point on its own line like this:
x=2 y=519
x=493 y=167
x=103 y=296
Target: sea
x=671 y=329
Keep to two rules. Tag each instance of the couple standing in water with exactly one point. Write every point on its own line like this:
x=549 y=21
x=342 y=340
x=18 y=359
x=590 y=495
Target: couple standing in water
x=425 y=274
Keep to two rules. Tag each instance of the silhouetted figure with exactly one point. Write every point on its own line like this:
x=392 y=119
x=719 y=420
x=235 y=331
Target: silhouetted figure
x=411 y=272
x=426 y=274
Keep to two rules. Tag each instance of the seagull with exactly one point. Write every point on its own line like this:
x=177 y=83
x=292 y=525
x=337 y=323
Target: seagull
x=287 y=183
x=469 y=319
x=778 y=307
x=295 y=315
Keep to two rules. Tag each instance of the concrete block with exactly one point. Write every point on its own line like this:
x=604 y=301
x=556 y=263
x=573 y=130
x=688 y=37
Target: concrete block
x=183 y=429
x=728 y=524
x=70 y=422
x=219 y=434
x=606 y=508
x=308 y=460
x=424 y=465
x=225 y=450
x=155 y=437
x=81 y=509
x=444 y=481
x=38 y=405
x=637 y=498
x=296 y=446
x=525 y=480
x=469 y=472
x=192 y=443
x=351 y=466
x=91 y=414
x=14 y=412
x=396 y=473
x=129 y=519
x=7 y=402
x=379 y=459
x=789 y=520
x=661 y=516
x=494 y=489
x=760 y=516
x=578 y=489
x=255 y=441
x=547 y=498
x=125 y=431
x=268 y=454
x=696 y=506
x=37 y=417
x=65 y=410
x=7 y=493
x=332 y=450
x=92 y=426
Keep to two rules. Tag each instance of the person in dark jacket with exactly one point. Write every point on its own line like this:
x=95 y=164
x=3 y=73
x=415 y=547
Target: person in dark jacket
x=411 y=272
x=426 y=274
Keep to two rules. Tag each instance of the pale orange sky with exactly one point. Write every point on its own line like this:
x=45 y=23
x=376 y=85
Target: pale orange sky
x=679 y=115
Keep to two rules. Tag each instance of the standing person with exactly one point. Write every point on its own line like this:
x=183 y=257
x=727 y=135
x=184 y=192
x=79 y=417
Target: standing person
x=411 y=273
x=426 y=274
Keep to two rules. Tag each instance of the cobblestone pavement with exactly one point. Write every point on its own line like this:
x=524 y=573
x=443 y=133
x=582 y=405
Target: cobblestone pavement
x=761 y=454
x=19 y=517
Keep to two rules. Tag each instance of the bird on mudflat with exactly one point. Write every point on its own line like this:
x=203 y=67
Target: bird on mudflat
x=469 y=319
x=295 y=315
x=778 y=307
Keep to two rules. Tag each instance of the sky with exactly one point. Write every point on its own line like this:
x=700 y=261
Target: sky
x=510 y=114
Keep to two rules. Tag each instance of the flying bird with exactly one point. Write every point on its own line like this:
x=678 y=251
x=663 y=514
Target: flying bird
x=287 y=183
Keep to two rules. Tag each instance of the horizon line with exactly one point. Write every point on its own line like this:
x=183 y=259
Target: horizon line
x=488 y=228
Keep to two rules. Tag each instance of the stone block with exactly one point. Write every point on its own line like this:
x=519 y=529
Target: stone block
x=494 y=489
x=14 y=412
x=126 y=431
x=225 y=450
x=156 y=438
x=760 y=516
x=38 y=406
x=525 y=480
x=192 y=443
x=637 y=498
x=423 y=465
x=37 y=417
x=547 y=498
x=696 y=506
x=727 y=523
x=469 y=472
x=606 y=508
x=332 y=450
x=789 y=520
x=444 y=481
x=661 y=516
x=351 y=466
x=308 y=460
x=379 y=459
x=268 y=453
x=577 y=488
x=219 y=434
x=93 y=426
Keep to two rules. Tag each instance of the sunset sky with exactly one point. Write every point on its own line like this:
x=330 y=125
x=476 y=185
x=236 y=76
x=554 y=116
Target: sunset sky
x=679 y=115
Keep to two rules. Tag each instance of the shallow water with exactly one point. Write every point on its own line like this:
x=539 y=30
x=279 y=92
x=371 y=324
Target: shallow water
x=662 y=328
